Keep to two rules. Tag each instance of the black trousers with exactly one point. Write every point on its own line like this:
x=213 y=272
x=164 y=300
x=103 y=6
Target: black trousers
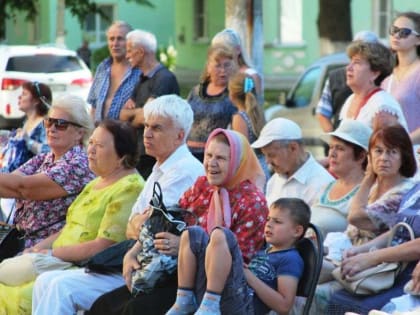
x=120 y=301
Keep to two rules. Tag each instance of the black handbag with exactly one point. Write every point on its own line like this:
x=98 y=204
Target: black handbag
x=12 y=239
x=167 y=219
x=109 y=260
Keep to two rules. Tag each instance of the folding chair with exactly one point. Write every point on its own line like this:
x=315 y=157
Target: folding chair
x=312 y=252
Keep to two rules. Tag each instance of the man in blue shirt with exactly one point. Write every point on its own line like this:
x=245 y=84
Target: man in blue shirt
x=114 y=79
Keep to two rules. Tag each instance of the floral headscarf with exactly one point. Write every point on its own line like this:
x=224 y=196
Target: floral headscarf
x=243 y=165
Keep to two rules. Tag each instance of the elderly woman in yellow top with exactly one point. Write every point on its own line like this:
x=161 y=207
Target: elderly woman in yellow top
x=95 y=220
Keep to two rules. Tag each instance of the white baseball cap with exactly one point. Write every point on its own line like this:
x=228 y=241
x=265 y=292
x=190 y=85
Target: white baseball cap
x=278 y=129
x=352 y=131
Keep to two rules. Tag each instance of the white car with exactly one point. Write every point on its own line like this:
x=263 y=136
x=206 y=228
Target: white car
x=61 y=69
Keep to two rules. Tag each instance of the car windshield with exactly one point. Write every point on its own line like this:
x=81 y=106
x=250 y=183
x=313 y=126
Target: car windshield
x=43 y=64
x=305 y=88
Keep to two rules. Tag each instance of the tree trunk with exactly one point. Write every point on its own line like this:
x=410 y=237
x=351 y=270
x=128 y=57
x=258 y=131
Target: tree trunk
x=334 y=25
x=60 y=38
x=245 y=17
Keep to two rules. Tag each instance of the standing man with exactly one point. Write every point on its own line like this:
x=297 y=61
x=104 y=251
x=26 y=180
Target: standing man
x=114 y=79
x=297 y=173
x=155 y=81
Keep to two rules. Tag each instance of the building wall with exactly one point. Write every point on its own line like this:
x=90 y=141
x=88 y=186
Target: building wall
x=158 y=20
x=282 y=62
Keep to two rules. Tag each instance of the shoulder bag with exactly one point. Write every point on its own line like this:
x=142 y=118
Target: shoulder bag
x=378 y=278
x=12 y=239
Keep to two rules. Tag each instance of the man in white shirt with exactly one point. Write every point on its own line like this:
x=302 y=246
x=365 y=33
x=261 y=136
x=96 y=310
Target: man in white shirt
x=297 y=173
x=168 y=120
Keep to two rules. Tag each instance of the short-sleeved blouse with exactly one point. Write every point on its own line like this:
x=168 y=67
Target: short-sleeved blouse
x=210 y=112
x=407 y=93
x=249 y=212
x=383 y=211
x=100 y=212
x=381 y=101
x=71 y=172
x=330 y=215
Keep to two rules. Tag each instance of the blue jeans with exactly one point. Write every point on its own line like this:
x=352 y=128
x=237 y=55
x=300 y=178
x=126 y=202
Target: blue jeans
x=237 y=296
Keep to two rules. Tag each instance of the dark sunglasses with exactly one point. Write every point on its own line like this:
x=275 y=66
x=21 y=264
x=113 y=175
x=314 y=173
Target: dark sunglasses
x=402 y=32
x=41 y=97
x=60 y=124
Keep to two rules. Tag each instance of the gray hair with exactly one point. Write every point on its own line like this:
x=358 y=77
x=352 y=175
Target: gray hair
x=144 y=39
x=231 y=38
x=121 y=24
x=174 y=107
x=76 y=108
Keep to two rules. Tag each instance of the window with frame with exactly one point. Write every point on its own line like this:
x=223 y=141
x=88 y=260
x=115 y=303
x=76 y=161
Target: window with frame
x=290 y=22
x=200 y=20
x=382 y=17
x=95 y=25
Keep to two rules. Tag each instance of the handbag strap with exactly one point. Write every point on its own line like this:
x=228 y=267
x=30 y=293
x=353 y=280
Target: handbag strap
x=10 y=213
x=398 y=226
x=62 y=218
x=157 y=199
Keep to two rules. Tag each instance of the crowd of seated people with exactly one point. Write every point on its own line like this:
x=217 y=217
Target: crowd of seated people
x=251 y=185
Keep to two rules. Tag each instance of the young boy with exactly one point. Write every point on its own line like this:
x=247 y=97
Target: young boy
x=272 y=275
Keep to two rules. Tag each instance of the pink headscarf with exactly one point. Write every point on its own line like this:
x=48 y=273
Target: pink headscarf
x=243 y=165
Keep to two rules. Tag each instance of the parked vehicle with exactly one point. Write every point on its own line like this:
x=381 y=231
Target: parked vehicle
x=60 y=68
x=303 y=98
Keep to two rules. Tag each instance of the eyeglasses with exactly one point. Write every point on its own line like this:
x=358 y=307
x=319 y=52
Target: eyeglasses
x=402 y=32
x=41 y=97
x=225 y=66
x=60 y=124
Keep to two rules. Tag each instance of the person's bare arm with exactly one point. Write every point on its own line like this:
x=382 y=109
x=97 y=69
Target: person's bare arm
x=82 y=251
x=415 y=136
x=382 y=119
x=325 y=123
x=92 y=113
x=34 y=187
x=135 y=223
x=281 y=300
x=357 y=213
x=238 y=124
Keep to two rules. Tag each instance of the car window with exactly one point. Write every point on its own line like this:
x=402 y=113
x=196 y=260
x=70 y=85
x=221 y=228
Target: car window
x=305 y=88
x=43 y=64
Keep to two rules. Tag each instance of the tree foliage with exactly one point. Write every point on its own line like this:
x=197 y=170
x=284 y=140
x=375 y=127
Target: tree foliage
x=78 y=8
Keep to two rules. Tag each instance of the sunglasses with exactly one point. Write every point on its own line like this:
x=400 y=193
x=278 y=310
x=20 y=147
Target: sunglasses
x=41 y=97
x=402 y=32
x=60 y=124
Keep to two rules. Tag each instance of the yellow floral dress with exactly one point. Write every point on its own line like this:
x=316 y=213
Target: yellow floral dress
x=94 y=213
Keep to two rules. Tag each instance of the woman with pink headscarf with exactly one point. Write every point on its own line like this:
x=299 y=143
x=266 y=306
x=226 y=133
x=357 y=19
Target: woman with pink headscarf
x=229 y=195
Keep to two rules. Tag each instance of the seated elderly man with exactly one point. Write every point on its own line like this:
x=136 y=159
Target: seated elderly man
x=168 y=120
x=297 y=174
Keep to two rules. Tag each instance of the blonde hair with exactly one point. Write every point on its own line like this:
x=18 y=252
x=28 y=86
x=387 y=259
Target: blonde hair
x=248 y=101
x=76 y=108
x=232 y=39
x=214 y=53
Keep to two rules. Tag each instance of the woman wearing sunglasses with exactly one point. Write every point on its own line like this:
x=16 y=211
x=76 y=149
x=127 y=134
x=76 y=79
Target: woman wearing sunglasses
x=46 y=185
x=370 y=63
x=95 y=220
x=404 y=82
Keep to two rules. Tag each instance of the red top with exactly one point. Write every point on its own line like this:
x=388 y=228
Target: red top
x=249 y=212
